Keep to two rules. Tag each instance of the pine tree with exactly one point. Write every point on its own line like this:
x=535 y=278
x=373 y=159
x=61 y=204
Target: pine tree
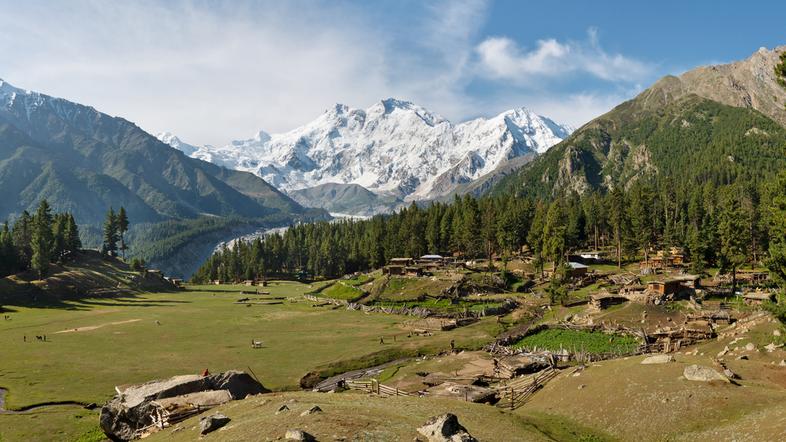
x=733 y=235
x=23 y=235
x=72 y=241
x=59 y=236
x=41 y=242
x=122 y=228
x=535 y=236
x=8 y=257
x=554 y=236
x=617 y=220
x=110 y=233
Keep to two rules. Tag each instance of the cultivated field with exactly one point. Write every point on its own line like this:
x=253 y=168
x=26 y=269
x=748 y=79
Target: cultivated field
x=94 y=344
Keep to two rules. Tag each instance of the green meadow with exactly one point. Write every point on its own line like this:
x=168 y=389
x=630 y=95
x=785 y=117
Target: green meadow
x=95 y=344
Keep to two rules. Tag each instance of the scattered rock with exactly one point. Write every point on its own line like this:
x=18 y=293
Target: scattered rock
x=724 y=351
x=211 y=423
x=750 y=346
x=771 y=347
x=742 y=358
x=312 y=410
x=782 y=363
x=445 y=428
x=299 y=435
x=776 y=332
x=702 y=374
x=282 y=409
x=658 y=359
x=730 y=374
x=582 y=386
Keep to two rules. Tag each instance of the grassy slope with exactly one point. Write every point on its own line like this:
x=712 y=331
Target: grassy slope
x=85 y=274
x=653 y=402
x=364 y=417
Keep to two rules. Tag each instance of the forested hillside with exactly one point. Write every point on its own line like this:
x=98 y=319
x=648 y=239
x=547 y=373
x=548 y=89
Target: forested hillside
x=83 y=162
x=717 y=226
x=689 y=142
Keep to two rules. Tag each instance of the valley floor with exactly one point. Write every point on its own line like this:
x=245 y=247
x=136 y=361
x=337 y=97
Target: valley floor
x=92 y=345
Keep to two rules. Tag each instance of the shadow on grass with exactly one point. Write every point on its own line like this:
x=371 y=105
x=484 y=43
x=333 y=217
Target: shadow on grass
x=85 y=302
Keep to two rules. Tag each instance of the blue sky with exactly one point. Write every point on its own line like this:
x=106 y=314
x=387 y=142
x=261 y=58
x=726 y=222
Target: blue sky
x=212 y=71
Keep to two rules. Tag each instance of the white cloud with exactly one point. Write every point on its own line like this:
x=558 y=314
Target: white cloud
x=211 y=72
x=502 y=58
x=206 y=74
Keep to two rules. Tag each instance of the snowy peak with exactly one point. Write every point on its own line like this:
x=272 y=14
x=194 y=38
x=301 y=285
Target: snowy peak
x=172 y=140
x=394 y=147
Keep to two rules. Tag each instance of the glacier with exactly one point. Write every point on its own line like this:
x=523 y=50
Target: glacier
x=394 y=148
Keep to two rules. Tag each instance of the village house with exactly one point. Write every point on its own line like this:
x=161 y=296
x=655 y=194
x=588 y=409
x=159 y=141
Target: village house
x=393 y=270
x=603 y=300
x=757 y=297
x=577 y=270
x=665 y=288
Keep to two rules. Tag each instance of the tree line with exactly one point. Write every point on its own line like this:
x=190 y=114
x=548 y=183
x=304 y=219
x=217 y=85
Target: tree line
x=37 y=240
x=718 y=226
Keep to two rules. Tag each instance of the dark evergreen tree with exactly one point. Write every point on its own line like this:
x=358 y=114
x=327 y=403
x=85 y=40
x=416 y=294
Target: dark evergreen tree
x=110 y=233
x=42 y=241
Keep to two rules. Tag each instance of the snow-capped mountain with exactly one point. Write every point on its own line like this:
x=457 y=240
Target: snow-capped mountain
x=393 y=148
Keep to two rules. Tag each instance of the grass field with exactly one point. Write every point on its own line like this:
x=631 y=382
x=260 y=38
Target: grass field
x=341 y=290
x=94 y=344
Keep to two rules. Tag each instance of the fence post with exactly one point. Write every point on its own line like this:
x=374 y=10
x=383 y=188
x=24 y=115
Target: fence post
x=511 y=399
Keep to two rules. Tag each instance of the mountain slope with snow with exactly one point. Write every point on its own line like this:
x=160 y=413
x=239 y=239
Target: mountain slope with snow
x=393 y=148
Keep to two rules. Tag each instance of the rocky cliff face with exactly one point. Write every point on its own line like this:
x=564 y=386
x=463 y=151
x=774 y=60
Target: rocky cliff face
x=750 y=83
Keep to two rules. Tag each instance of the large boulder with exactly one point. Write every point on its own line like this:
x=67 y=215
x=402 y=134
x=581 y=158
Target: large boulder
x=213 y=422
x=702 y=374
x=299 y=436
x=657 y=359
x=445 y=428
x=132 y=410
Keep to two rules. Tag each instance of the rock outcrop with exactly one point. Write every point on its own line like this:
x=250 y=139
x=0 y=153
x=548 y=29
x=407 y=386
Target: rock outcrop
x=136 y=408
x=445 y=428
x=702 y=374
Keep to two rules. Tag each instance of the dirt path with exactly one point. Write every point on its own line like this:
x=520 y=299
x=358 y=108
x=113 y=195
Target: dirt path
x=331 y=382
x=94 y=327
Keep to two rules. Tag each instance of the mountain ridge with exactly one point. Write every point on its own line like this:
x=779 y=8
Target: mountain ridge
x=396 y=149
x=716 y=110
x=84 y=161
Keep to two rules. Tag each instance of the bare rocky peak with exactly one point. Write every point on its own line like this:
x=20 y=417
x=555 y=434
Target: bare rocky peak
x=747 y=83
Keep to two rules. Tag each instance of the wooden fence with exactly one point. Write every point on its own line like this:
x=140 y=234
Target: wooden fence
x=373 y=386
x=517 y=392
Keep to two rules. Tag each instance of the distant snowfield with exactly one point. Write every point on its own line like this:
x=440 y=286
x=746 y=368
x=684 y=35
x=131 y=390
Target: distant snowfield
x=392 y=148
